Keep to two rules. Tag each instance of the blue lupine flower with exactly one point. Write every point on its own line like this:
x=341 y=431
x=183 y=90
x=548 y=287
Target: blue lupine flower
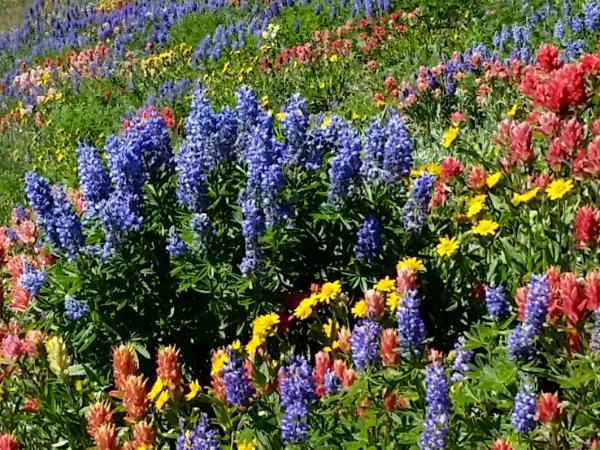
x=462 y=358
x=295 y=128
x=175 y=245
x=375 y=140
x=74 y=309
x=595 y=338
x=297 y=392
x=118 y=216
x=364 y=343
x=332 y=12
x=93 y=180
x=148 y=139
x=367 y=240
x=253 y=227
x=296 y=25
x=238 y=388
x=437 y=401
x=202 y=228
x=538 y=295
x=496 y=303
x=39 y=195
x=523 y=416
x=202 y=437
x=331 y=383
x=398 y=153
x=32 y=279
x=576 y=25
x=415 y=209
x=574 y=50
x=344 y=166
x=67 y=233
x=411 y=329
x=591 y=15
x=559 y=29
x=125 y=166
x=520 y=342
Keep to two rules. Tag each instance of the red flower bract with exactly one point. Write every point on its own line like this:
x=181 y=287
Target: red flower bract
x=586 y=226
x=548 y=408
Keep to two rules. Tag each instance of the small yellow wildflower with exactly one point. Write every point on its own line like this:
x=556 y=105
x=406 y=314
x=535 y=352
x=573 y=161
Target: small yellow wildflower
x=392 y=301
x=359 y=309
x=247 y=445
x=475 y=205
x=157 y=388
x=449 y=136
x=162 y=400
x=333 y=58
x=411 y=263
x=517 y=198
x=236 y=345
x=280 y=116
x=447 y=247
x=330 y=291
x=512 y=111
x=263 y=325
x=329 y=327
x=355 y=115
x=79 y=385
x=325 y=123
x=485 y=227
x=559 y=188
x=493 y=179
x=433 y=168
x=194 y=389
x=264 y=102
x=218 y=364
x=57 y=355
x=385 y=285
x=321 y=85
x=254 y=343
x=305 y=308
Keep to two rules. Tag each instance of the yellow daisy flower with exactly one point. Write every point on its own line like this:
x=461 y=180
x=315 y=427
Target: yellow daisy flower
x=305 y=308
x=325 y=123
x=517 y=198
x=162 y=400
x=559 y=188
x=512 y=111
x=236 y=345
x=447 y=247
x=156 y=389
x=263 y=325
x=411 y=263
x=329 y=327
x=254 y=343
x=280 y=116
x=359 y=309
x=392 y=301
x=485 y=227
x=218 y=364
x=247 y=445
x=493 y=179
x=330 y=291
x=475 y=205
x=385 y=285
x=449 y=136
x=194 y=389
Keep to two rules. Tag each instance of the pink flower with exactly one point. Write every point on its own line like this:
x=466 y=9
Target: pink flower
x=547 y=58
x=457 y=117
x=451 y=167
x=520 y=143
x=12 y=347
x=477 y=177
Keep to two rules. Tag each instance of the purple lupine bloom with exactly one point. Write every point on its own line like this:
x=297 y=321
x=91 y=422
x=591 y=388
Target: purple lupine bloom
x=437 y=401
x=559 y=29
x=32 y=279
x=520 y=342
x=462 y=359
x=202 y=437
x=595 y=338
x=74 y=309
x=364 y=343
x=253 y=227
x=67 y=231
x=175 y=245
x=374 y=148
x=202 y=228
x=118 y=216
x=295 y=129
x=331 y=383
x=238 y=388
x=39 y=194
x=148 y=140
x=496 y=302
x=536 y=308
x=523 y=416
x=93 y=180
x=297 y=392
x=573 y=50
x=591 y=15
x=367 y=240
x=415 y=209
x=398 y=150
x=411 y=329
x=345 y=165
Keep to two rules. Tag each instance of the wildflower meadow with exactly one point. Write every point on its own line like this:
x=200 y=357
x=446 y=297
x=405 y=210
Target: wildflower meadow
x=300 y=224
